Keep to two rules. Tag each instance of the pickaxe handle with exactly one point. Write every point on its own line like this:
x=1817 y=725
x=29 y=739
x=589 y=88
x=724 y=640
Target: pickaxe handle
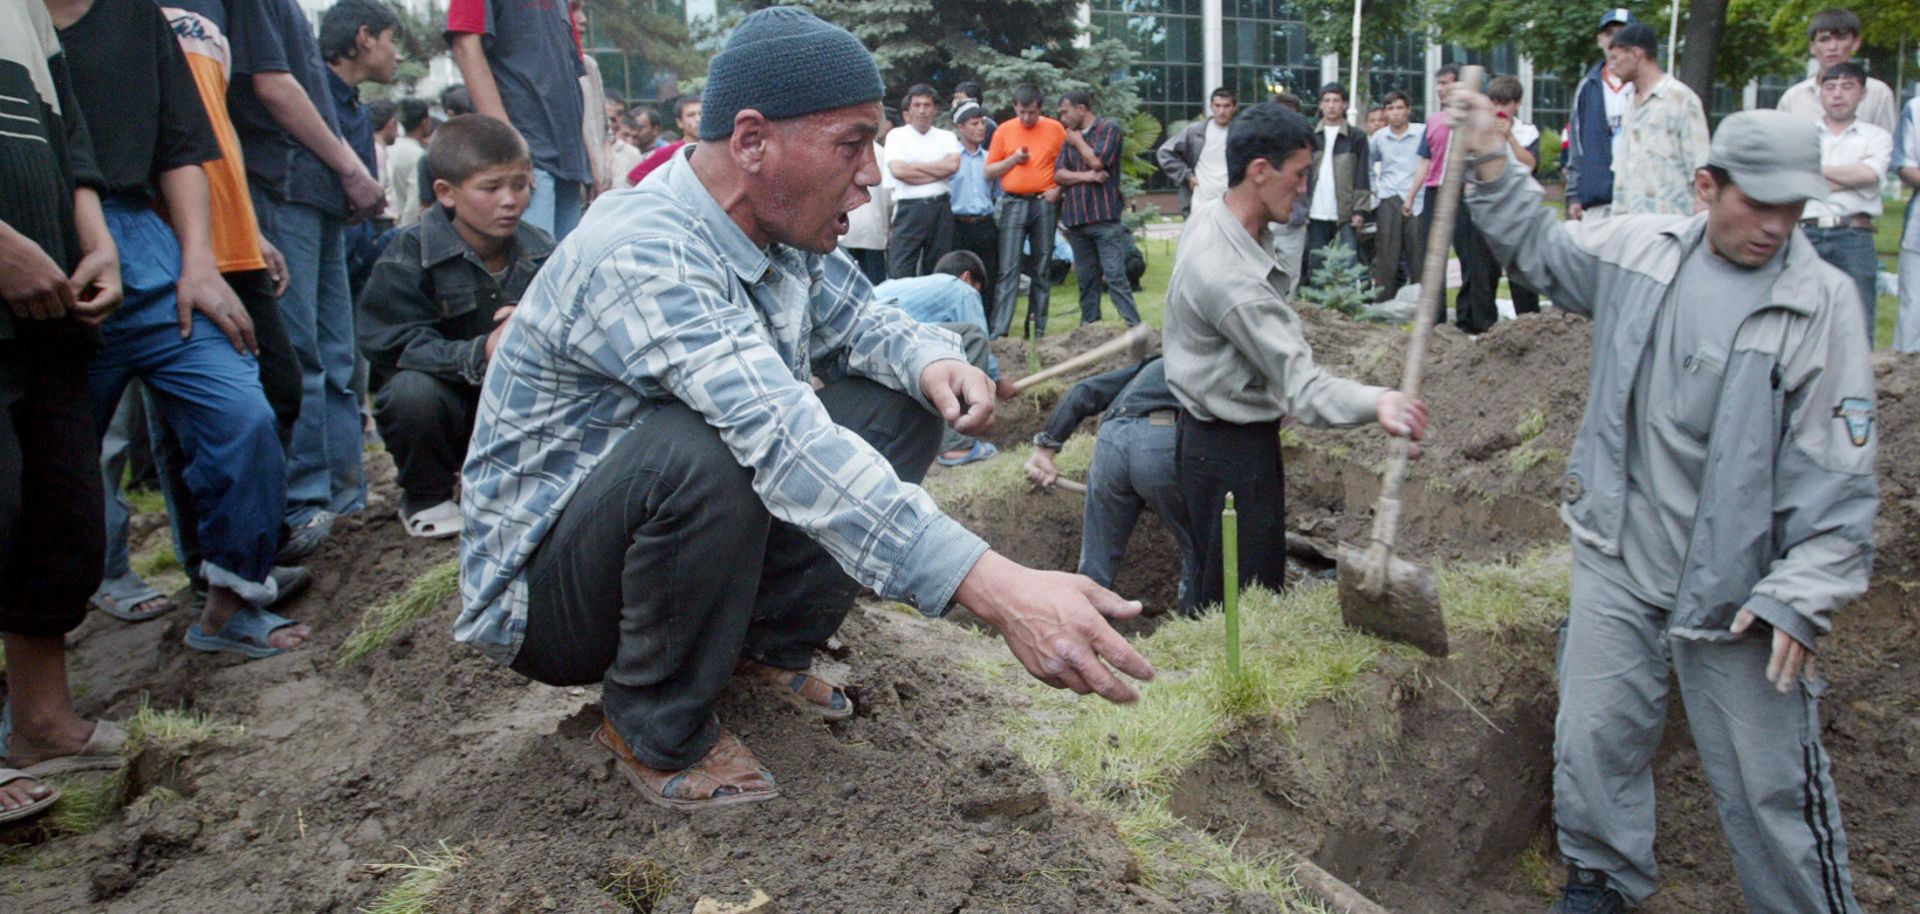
x=1134 y=337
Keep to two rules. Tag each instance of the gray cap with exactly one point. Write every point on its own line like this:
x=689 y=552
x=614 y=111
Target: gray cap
x=1773 y=156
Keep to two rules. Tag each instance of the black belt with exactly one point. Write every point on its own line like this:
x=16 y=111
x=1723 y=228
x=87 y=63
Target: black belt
x=971 y=220
x=936 y=198
x=1026 y=196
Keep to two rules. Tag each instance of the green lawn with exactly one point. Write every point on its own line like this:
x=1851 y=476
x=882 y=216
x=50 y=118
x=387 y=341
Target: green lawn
x=1064 y=307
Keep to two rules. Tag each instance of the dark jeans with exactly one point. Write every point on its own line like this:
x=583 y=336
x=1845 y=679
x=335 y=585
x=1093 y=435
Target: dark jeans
x=279 y=364
x=53 y=538
x=1028 y=222
x=1215 y=458
x=1397 y=249
x=1100 y=261
x=426 y=422
x=922 y=234
x=1851 y=250
x=983 y=239
x=665 y=568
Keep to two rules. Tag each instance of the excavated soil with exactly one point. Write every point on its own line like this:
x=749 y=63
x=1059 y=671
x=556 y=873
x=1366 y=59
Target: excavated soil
x=1424 y=792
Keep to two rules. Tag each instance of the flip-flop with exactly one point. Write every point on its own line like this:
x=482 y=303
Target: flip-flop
x=101 y=753
x=440 y=521
x=800 y=688
x=34 y=808
x=246 y=634
x=668 y=789
x=118 y=596
x=981 y=450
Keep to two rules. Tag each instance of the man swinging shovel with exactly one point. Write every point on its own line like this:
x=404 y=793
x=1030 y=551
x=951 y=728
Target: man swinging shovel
x=1238 y=362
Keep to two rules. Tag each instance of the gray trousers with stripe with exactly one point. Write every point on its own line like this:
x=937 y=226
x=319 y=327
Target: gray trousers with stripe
x=1760 y=749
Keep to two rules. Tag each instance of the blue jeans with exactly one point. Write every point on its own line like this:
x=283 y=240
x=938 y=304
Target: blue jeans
x=1133 y=467
x=1851 y=250
x=208 y=396
x=555 y=205
x=1100 y=261
x=324 y=472
x=1024 y=222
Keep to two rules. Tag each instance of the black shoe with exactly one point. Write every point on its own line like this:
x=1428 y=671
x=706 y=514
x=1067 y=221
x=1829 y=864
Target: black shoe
x=1587 y=893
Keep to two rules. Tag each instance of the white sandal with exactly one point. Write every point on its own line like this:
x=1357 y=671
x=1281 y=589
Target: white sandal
x=438 y=522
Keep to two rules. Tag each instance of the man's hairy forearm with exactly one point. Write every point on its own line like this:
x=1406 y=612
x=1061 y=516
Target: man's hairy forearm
x=189 y=209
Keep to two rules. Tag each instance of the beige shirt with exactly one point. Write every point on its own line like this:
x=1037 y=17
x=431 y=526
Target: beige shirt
x=1235 y=351
x=1803 y=101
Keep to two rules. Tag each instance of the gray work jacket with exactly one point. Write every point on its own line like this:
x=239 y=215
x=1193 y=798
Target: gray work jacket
x=1179 y=156
x=1788 y=497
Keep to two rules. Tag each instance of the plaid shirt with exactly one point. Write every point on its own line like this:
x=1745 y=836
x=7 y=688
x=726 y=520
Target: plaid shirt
x=1087 y=203
x=659 y=296
x=1661 y=145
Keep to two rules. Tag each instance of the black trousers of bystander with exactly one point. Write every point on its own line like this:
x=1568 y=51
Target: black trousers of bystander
x=53 y=515
x=426 y=422
x=981 y=235
x=665 y=568
x=1213 y=459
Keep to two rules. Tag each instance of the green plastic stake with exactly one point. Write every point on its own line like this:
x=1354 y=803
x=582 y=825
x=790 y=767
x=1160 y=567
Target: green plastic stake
x=1230 y=566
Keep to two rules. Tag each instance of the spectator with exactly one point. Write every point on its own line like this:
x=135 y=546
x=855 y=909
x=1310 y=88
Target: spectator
x=522 y=65
x=1833 y=38
x=182 y=330
x=1431 y=168
x=920 y=159
x=625 y=154
x=975 y=198
x=951 y=297
x=1474 y=308
x=1664 y=139
x=1196 y=157
x=1337 y=188
x=1906 y=167
x=359 y=38
x=969 y=92
x=409 y=149
x=869 y=224
x=437 y=304
x=454 y=101
x=1022 y=159
x=594 y=130
x=686 y=118
x=1376 y=119
x=305 y=181
x=1395 y=151
x=63 y=279
x=645 y=134
x=615 y=107
x=1091 y=207
x=1133 y=466
x=1600 y=104
x=566 y=497
x=1853 y=156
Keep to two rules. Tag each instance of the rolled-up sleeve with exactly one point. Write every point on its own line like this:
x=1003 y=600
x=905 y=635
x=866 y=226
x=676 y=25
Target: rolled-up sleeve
x=880 y=341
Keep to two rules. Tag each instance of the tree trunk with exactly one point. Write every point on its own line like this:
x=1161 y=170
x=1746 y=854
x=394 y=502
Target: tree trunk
x=1706 y=22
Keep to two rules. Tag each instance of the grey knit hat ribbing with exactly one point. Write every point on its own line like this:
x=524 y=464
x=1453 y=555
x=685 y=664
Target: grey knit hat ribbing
x=785 y=62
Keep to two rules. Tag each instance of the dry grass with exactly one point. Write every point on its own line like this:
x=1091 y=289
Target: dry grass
x=433 y=587
x=420 y=878
x=638 y=884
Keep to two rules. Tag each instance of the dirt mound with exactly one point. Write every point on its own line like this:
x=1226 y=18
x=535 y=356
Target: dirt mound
x=1017 y=420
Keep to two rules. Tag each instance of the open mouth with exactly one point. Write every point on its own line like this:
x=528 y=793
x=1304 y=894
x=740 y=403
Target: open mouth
x=841 y=223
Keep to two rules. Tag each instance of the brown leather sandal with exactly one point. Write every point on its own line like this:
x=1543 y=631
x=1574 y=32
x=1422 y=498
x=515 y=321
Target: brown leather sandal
x=801 y=689
x=728 y=776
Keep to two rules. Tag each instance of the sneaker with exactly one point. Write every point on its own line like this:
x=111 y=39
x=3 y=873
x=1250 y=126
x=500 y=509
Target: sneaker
x=1587 y=893
x=304 y=540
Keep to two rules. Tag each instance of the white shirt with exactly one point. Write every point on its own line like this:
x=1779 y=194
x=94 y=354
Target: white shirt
x=1860 y=143
x=1526 y=135
x=867 y=225
x=623 y=157
x=1877 y=108
x=1211 y=175
x=1618 y=96
x=1326 y=203
x=905 y=144
x=402 y=179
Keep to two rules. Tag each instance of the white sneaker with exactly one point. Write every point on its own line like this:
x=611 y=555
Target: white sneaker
x=438 y=522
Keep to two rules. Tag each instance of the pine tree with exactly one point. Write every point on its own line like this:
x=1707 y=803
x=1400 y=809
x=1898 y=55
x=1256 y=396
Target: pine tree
x=1341 y=282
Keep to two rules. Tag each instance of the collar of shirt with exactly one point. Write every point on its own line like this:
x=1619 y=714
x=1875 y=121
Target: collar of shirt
x=747 y=260
x=1853 y=127
x=346 y=97
x=972 y=192
x=440 y=241
x=1242 y=253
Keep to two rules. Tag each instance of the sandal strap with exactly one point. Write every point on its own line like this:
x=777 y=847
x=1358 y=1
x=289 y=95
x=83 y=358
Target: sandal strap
x=728 y=768
x=813 y=688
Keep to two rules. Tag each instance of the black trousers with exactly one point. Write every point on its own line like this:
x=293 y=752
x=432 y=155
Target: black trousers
x=1397 y=246
x=1474 y=309
x=872 y=263
x=983 y=238
x=665 y=568
x=53 y=510
x=1214 y=458
x=426 y=422
x=922 y=234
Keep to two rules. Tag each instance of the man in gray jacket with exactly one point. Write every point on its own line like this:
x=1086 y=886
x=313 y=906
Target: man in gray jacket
x=1196 y=157
x=1721 y=498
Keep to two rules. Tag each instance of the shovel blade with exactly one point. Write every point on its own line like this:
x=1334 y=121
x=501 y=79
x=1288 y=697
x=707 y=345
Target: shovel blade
x=1406 y=610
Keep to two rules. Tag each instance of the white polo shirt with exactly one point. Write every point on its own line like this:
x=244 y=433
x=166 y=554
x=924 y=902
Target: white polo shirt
x=1860 y=143
x=905 y=144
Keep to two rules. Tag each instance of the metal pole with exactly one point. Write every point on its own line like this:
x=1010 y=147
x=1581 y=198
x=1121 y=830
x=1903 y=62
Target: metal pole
x=1357 y=109
x=1230 y=571
x=1673 y=34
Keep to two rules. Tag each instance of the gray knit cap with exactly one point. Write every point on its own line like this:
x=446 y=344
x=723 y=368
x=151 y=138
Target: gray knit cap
x=785 y=62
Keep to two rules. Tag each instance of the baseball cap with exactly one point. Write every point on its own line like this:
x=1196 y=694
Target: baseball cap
x=1618 y=15
x=1773 y=156
x=1638 y=35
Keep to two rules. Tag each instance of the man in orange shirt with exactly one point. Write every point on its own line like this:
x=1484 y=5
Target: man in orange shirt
x=1021 y=158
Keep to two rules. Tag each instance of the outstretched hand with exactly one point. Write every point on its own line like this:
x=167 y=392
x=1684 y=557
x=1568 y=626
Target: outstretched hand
x=1402 y=418
x=1056 y=625
x=961 y=393
x=1789 y=657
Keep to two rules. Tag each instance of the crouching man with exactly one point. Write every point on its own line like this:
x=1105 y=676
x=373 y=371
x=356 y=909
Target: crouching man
x=436 y=303
x=656 y=496
x=1721 y=498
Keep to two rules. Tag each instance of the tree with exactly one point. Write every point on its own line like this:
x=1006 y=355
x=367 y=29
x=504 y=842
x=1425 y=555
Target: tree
x=643 y=29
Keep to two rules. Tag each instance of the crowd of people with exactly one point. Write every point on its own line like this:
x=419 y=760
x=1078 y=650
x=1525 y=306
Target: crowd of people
x=603 y=349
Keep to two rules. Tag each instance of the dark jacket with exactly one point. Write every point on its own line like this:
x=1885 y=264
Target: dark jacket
x=1351 y=174
x=1180 y=155
x=1589 y=160
x=1135 y=390
x=429 y=304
